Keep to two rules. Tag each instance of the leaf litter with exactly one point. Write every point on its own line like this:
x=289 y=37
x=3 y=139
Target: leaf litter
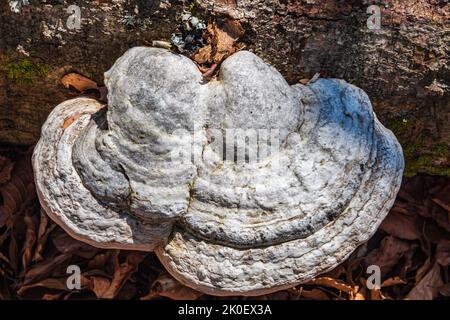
x=411 y=247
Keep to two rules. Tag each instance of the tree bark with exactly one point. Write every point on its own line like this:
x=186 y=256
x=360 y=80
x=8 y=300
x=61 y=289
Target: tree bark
x=403 y=66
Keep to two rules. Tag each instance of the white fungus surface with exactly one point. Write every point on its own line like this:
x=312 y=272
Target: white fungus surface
x=313 y=177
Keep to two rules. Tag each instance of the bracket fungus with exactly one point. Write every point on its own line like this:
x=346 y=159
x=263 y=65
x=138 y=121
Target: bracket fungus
x=313 y=176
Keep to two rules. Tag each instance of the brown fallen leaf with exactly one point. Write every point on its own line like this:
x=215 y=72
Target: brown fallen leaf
x=441 y=215
x=392 y=282
x=100 y=260
x=336 y=272
x=49 y=289
x=353 y=266
x=49 y=283
x=18 y=192
x=52 y=296
x=428 y=287
x=6 y=167
x=68 y=245
x=442 y=204
x=79 y=82
x=30 y=239
x=5 y=293
x=360 y=295
x=333 y=283
x=389 y=253
x=122 y=272
x=5 y=266
x=432 y=232
x=166 y=286
x=222 y=37
x=445 y=290
x=204 y=55
x=45 y=268
x=405 y=264
x=45 y=227
x=443 y=253
x=376 y=294
x=312 y=294
x=13 y=251
x=407 y=227
x=279 y=295
x=99 y=285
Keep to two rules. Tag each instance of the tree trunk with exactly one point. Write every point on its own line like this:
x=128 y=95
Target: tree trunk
x=403 y=65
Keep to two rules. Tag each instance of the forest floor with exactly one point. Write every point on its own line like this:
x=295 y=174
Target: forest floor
x=411 y=247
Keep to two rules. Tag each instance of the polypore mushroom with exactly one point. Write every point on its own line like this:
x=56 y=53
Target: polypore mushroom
x=313 y=177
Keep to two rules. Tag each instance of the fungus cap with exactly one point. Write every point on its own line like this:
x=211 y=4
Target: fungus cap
x=312 y=178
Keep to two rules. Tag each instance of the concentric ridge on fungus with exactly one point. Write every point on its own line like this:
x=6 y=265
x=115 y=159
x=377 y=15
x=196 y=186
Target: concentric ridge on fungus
x=107 y=174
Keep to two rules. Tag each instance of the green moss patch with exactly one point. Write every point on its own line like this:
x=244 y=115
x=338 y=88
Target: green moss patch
x=25 y=71
x=420 y=156
x=431 y=160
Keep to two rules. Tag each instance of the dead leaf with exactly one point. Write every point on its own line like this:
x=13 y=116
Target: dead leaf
x=389 y=254
x=48 y=289
x=166 y=286
x=314 y=294
x=376 y=294
x=407 y=227
x=432 y=232
x=443 y=253
x=222 y=37
x=6 y=167
x=49 y=283
x=79 y=82
x=428 y=287
x=45 y=227
x=5 y=266
x=336 y=272
x=423 y=270
x=279 y=295
x=445 y=290
x=392 y=282
x=442 y=204
x=99 y=285
x=68 y=245
x=353 y=265
x=204 y=55
x=441 y=217
x=332 y=283
x=360 y=295
x=30 y=240
x=26 y=231
x=100 y=260
x=45 y=268
x=13 y=252
x=18 y=192
x=123 y=272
